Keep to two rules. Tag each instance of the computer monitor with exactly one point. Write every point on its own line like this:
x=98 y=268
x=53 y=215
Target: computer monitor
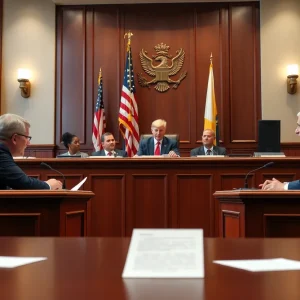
x=268 y=136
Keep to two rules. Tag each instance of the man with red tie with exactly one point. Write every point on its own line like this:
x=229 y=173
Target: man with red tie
x=109 y=147
x=158 y=144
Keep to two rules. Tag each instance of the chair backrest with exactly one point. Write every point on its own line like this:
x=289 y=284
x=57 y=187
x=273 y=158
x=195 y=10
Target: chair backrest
x=169 y=136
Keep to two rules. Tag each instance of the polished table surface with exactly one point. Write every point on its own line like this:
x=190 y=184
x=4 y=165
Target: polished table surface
x=91 y=268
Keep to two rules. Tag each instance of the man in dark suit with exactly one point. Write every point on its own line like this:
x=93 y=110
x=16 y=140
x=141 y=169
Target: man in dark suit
x=108 y=143
x=276 y=185
x=158 y=144
x=14 y=138
x=208 y=148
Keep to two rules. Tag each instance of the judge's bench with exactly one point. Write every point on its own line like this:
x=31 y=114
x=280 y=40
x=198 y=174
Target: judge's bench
x=159 y=192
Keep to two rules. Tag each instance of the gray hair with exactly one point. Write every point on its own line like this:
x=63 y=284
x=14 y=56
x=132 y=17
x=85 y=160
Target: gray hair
x=11 y=124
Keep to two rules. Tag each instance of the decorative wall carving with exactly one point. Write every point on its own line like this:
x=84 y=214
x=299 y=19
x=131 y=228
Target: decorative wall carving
x=168 y=66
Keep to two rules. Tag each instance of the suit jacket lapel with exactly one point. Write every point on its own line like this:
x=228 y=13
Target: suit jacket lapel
x=202 y=152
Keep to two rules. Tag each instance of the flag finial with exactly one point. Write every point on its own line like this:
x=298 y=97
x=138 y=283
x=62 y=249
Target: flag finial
x=129 y=35
x=211 y=57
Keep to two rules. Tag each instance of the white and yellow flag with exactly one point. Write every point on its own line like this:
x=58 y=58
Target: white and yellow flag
x=211 y=113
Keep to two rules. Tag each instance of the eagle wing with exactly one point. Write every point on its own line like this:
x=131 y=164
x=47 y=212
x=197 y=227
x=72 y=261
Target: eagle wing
x=177 y=62
x=146 y=62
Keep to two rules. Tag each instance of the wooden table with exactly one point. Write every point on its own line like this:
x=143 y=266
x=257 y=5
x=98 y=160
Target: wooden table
x=91 y=268
x=159 y=192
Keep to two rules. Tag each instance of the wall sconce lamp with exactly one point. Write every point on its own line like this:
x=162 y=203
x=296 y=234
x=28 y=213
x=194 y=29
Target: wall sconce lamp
x=23 y=78
x=292 y=75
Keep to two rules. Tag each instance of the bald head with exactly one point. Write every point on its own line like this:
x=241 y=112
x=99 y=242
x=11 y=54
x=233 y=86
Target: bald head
x=208 y=138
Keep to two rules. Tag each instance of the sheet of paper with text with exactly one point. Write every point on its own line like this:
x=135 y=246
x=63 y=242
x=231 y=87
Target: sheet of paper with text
x=165 y=253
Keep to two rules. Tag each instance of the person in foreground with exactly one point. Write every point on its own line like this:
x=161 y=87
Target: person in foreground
x=72 y=143
x=158 y=144
x=14 y=138
x=208 y=148
x=276 y=185
x=109 y=147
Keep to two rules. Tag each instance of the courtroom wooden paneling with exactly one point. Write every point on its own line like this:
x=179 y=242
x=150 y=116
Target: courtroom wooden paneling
x=108 y=210
x=71 y=179
x=172 y=25
x=44 y=213
x=211 y=38
x=20 y=224
x=231 y=220
x=259 y=213
x=284 y=177
x=191 y=211
x=71 y=114
x=162 y=192
x=75 y=223
x=42 y=151
x=282 y=225
x=245 y=103
x=90 y=37
x=148 y=201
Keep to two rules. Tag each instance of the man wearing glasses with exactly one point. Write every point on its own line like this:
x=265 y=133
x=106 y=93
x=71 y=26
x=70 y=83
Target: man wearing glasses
x=14 y=138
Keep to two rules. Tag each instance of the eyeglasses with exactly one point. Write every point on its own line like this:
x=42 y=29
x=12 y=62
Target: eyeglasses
x=27 y=136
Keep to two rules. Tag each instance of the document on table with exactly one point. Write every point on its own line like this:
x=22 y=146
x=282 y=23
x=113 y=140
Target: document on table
x=77 y=187
x=165 y=253
x=262 y=265
x=16 y=261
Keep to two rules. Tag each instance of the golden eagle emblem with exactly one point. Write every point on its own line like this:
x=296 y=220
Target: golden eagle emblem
x=162 y=71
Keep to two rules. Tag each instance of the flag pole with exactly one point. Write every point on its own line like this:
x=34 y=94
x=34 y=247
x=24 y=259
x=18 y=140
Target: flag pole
x=99 y=76
x=129 y=34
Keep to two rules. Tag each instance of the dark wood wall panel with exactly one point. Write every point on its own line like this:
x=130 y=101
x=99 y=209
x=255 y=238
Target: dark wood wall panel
x=90 y=37
x=243 y=63
x=148 y=202
x=20 y=224
x=210 y=25
x=187 y=201
x=106 y=54
x=111 y=205
x=281 y=225
x=152 y=25
x=73 y=100
x=231 y=224
x=74 y=223
x=235 y=181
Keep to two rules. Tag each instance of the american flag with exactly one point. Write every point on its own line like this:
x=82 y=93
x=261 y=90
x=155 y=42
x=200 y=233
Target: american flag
x=128 y=113
x=99 y=116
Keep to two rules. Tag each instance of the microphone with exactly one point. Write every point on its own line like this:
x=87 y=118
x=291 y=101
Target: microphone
x=246 y=178
x=114 y=153
x=44 y=165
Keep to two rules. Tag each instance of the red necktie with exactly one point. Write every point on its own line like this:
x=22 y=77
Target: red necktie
x=157 y=149
x=109 y=153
